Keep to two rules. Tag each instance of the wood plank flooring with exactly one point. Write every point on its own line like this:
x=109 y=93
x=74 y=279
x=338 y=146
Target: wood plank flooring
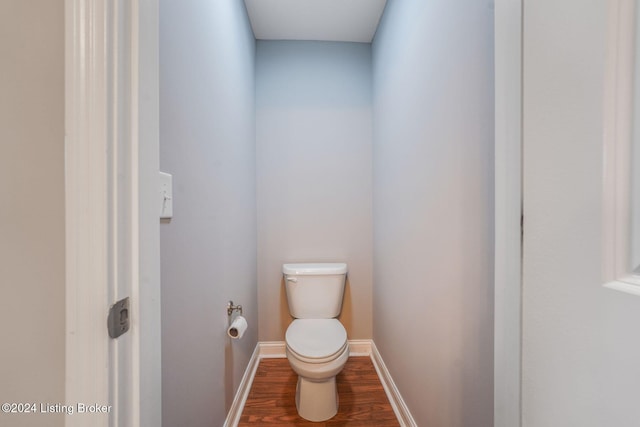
x=362 y=400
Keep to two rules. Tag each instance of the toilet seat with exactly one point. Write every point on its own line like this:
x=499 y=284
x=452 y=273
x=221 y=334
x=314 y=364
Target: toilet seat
x=316 y=340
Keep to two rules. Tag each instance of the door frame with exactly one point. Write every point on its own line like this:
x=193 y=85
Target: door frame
x=508 y=214
x=112 y=226
x=92 y=211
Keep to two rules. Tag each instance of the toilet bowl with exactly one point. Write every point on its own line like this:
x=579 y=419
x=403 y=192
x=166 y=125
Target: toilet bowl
x=316 y=341
x=317 y=350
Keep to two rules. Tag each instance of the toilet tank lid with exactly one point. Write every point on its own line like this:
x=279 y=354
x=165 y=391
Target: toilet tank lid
x=315 y=269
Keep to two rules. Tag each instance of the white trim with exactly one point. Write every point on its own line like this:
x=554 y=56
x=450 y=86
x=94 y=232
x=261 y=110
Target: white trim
x=618 y=104
x=235 y=412
x=276 y=349
x=145 y=32
x=272 y=349
x=624 y=286
x=360 y=347
x=508 y=214
x=263 y=350
x=87 y=208
x=395 y=398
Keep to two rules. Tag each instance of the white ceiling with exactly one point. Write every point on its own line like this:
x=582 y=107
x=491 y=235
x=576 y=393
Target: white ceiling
x=332 y=20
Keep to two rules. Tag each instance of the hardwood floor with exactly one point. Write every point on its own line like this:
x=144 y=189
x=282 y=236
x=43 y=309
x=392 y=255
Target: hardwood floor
x=363 y=402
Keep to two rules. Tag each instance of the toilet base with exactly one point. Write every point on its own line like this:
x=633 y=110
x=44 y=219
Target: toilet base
x=316 y=401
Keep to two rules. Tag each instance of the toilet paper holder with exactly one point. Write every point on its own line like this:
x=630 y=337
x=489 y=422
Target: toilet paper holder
x=231 y=308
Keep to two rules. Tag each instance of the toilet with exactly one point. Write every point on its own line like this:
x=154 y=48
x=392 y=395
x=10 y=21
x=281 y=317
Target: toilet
x=316 y=342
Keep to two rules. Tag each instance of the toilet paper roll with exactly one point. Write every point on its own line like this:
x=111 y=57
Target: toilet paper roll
x=237 y=328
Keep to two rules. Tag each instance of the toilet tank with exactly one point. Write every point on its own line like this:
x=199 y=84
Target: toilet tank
x=315 y=290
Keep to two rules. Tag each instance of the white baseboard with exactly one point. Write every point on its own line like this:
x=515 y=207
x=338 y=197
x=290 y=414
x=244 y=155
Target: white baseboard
x=397 y=403
x=272 y=349
x=360 y=347
x=276 y=349
x=235 y=412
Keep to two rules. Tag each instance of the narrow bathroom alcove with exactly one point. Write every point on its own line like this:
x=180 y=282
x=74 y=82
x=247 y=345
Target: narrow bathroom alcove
x=374 y=152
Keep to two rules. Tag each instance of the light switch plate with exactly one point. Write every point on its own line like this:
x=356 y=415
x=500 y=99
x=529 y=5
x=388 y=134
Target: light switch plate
x=166 y=195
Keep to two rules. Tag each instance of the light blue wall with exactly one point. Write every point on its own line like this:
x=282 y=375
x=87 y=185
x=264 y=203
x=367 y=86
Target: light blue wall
x=208 y=249
x=313 y=119
x=433 y=207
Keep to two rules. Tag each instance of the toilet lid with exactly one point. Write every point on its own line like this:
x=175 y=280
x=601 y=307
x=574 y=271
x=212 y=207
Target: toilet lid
x=316 y=338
